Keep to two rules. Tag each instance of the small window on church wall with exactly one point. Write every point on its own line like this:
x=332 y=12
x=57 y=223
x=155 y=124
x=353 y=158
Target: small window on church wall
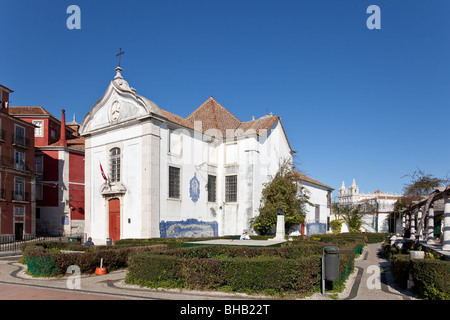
x=114 y=164
x=230 y=188
x=317 y=212
x=211 y=188
x=212 y=153
x=329 y=199
x=231 y=153
x=174 y=142
x=174 y=182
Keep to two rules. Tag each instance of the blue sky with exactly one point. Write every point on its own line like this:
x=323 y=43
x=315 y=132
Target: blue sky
x=355 y=103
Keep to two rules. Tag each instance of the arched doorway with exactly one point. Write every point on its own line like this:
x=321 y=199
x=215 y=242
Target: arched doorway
x=114 y=219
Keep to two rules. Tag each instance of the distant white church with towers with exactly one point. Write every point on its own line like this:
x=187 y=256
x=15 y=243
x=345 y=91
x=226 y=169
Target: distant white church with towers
x=382 y=204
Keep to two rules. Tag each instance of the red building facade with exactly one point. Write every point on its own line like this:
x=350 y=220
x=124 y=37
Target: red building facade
x=59 y=163
x=17 y=176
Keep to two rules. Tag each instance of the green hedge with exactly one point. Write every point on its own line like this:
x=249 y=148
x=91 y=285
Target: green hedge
x=41 y=266
x=174 y=243
x=294 y=268
x=45 y=258
x=287 y=252
x=259 y=274
x=351 y=237
x=345 y=237
x=376 y=237
x=431 y=276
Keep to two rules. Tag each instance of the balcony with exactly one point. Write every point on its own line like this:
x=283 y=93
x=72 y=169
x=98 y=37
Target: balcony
x=20 y=141
x=21 y=196
x=11 y=163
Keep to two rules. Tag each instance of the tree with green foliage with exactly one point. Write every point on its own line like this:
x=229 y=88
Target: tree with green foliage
x=283 y=190
x=336 y=224
x=422 y=184
x=351 y=215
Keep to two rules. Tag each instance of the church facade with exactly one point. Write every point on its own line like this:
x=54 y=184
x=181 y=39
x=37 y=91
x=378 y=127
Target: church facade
x=150 y=173
x=380 y=204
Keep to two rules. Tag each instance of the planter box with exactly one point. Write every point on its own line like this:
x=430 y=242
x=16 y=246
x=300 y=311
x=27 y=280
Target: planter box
x=414 y=254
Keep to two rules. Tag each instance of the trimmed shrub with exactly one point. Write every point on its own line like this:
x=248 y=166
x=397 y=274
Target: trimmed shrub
x=239 y=274
x=202 y=273
x=295 y=268
x=340 y=237
x=174 y=243
x=307 y=249
x=153 y=270
x=46 y=258
x=271 y=274
x=376 y=237
x=400 y=266
x=41 y=266
x=431 y=276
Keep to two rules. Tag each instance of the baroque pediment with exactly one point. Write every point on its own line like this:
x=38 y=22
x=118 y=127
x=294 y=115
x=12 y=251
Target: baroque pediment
x=112 y=189
x=119 y=104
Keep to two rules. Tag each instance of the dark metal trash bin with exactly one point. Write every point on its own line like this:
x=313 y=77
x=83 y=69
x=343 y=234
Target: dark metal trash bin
x=74 y=239
x=331 y=262
x=109 y=241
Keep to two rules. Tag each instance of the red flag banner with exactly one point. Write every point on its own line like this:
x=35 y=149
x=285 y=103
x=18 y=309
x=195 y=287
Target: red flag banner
x=103 y=174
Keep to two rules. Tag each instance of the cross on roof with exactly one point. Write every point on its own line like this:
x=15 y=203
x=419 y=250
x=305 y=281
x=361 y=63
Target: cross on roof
x=119 y=54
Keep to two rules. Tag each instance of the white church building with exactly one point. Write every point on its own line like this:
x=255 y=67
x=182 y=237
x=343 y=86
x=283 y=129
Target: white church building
x=150 y=173
x=381 y=204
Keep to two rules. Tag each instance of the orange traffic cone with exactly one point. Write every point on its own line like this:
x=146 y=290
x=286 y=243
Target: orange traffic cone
x=101 y=270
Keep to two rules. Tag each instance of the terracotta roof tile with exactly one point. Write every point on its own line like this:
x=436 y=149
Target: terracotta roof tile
x=304 y=177
x=75 y=143
x=263 y=123
x=214 y=116
x=177 y=119
x=28 y=111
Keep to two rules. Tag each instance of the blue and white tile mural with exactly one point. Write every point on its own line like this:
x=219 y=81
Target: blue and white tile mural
x=191 y=228
x=316 y=228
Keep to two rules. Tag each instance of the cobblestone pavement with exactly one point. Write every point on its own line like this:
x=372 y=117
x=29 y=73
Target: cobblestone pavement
x=371 y=280
x=15 y=284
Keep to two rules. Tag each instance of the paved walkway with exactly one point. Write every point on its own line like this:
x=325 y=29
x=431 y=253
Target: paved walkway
x=371 y=280
x=15 y=284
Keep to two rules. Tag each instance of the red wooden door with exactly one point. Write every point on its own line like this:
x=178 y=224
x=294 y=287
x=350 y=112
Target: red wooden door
x=114 y=219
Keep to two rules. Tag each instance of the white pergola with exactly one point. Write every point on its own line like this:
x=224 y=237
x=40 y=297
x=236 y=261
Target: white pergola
x=425 y=211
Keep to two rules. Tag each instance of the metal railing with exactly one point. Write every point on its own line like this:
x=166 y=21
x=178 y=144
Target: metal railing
x=20 y=196
x=21 y=141
x=13 y=242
